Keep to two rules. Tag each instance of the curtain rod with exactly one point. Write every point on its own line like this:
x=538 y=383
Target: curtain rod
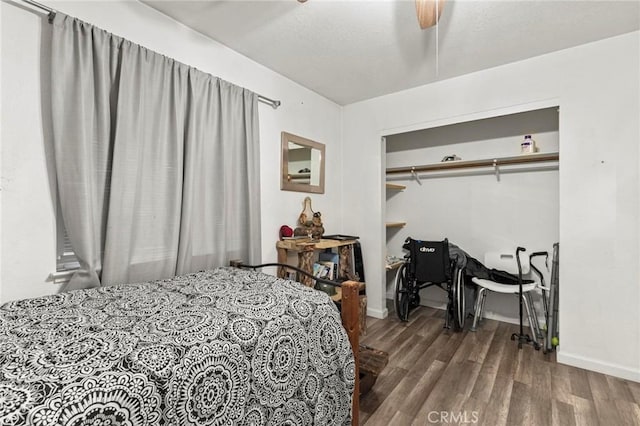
x=275 y=104
x=52 y=12
x=47 y=9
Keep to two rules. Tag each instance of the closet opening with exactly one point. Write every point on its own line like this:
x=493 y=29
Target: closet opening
x=479 y=185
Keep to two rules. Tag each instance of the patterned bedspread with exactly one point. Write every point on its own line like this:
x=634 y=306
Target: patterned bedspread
x=220 y=347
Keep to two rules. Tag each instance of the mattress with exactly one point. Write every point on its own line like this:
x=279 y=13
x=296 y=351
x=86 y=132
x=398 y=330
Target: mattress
x=219 y=347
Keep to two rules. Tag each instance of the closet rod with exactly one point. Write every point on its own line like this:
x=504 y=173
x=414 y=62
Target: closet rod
x=52 y=12
x=493 y=162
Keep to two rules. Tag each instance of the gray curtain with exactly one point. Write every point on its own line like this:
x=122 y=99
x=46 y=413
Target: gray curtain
x=157 y=162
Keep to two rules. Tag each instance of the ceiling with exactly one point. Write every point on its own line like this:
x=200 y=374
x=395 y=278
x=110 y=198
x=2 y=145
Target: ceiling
x=351 y=50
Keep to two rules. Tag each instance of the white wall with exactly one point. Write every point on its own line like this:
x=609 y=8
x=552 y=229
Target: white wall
x=26 y=196
x=473 y=208
x=597 y=88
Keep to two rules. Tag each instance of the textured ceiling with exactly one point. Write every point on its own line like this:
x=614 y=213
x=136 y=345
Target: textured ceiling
x=349 y=51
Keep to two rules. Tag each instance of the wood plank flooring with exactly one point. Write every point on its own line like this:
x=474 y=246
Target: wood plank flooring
x=436 y=376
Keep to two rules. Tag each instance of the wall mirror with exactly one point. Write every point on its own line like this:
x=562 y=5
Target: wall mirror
x=302 y=164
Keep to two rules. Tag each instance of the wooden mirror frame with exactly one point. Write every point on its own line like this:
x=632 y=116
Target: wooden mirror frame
x=286 y=181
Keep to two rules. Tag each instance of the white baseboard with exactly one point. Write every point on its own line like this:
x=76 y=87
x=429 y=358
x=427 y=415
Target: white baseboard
x=377 y=313
x=599 y=366
x=436 y=304
x=509 y=320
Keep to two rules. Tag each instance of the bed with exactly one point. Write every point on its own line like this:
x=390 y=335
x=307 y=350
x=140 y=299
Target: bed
x=219 y=347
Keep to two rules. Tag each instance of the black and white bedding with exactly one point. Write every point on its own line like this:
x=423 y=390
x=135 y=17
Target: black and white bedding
x=220 y=347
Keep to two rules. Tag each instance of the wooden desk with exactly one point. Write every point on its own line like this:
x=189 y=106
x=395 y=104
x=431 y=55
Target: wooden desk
x=306 y=249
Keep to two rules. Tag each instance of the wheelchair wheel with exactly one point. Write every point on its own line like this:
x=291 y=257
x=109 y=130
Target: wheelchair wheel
x=458 y=305
x=401 y=293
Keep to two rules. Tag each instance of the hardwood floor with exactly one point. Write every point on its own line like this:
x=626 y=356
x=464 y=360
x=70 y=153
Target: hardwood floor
x=436 y=376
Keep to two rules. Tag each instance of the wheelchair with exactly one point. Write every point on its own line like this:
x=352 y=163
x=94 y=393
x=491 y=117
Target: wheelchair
x=428 y=263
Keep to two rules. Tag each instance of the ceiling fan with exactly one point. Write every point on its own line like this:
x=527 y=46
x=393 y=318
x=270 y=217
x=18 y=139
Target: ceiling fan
x=429 y=12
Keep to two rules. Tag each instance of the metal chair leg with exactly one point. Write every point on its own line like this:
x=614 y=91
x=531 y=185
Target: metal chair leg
x=484 y=298
x=478 y=308
x=532 y=326
x=534 y=314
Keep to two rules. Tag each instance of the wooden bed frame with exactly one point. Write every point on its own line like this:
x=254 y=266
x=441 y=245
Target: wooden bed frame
x=350 y=321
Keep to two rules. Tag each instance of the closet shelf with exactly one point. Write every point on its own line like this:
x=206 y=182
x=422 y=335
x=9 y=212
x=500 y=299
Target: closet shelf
x=395 y=186
x=395 y=224
x=489 y=162
x=394 y=265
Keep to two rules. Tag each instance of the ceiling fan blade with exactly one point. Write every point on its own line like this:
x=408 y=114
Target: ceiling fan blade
x=429 y=12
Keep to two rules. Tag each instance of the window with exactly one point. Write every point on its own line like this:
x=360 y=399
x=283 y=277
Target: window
x=66 y=260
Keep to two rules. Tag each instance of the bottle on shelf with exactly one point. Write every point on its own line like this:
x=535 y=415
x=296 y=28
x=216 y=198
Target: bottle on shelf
x=528 y=146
